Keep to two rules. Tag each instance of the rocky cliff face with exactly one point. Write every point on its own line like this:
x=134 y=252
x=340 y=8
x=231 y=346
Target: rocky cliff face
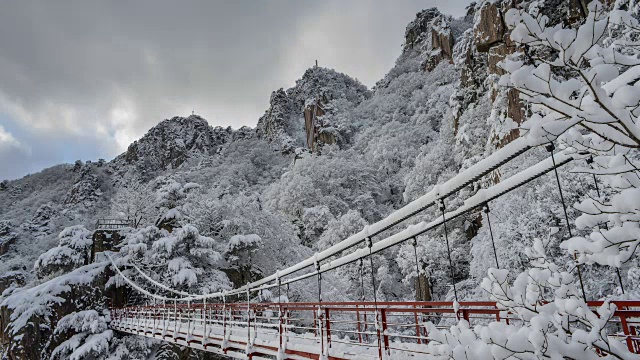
x=170 y=143
x=283 y=123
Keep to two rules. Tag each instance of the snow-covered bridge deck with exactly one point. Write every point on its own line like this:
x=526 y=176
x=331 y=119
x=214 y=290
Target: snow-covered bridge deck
x=328 y=330
x=350 y=330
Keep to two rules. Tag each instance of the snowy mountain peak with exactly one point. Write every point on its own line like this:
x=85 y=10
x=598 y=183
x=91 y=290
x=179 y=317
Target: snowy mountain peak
x=419 y=29
x=168 y=144
x=283 y=122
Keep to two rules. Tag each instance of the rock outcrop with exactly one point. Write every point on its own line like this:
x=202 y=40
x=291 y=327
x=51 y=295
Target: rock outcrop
x=489 y=29
x=28 y=316
x=7 y=237
x=420 y=28
x=170 y=143
x=11 y=280
x=284 y=124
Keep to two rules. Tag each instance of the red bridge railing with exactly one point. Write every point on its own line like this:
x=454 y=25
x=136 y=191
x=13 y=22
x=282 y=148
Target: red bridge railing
x=339 y=330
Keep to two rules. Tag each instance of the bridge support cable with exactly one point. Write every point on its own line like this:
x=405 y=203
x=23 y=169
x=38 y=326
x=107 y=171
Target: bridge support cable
x=362 y=299
x=319 y=275
x=205 y=338
x=158 y=284
x=475 y=201
x=375 y=296
x=450 y=187
x=318 y=316
x=595 y=183
x=248 y=351
x=550 y=147
x=478 y=200
x=493 y=243
x=414 y=242
x=446 y=238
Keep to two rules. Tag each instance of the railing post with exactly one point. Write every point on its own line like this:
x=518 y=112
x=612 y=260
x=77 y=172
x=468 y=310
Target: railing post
x=205 y=336
x=249 y=352
x=418 y=332
x=175 y=319
x=224 y=324
x=385 y=336
x=625 y=329
x=153 y=332
x=280 y=329
x=358 y=324
x=164 y=319
x=315 y=323
x=188 y=322
x=328 y=326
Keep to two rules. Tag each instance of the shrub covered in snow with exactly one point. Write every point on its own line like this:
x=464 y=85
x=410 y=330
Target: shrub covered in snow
x=73 y=250
x=183 y=258
x=90 y=339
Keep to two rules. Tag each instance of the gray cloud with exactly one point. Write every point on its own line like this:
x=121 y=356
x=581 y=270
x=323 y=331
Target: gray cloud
x=105 y=72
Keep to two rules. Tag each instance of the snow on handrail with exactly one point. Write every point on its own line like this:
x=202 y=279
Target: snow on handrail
x=459 y=181
x=451 y=186
x=158 y=284
x=134 y=285
x=114 y=224
x=479 y=199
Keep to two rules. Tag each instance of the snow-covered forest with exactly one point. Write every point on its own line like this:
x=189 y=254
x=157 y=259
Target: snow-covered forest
x=212 y=209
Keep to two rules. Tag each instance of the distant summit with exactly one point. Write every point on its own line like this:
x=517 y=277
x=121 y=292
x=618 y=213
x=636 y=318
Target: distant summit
x=284 y=121
x=170 y=143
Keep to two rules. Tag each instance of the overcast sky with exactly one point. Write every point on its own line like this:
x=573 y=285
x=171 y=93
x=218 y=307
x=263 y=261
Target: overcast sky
x=83 y=79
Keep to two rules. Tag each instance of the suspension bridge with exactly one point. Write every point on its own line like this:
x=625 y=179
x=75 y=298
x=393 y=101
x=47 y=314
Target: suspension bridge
x=351 y=330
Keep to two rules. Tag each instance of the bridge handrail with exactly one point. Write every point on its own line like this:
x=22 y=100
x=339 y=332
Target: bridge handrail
x=402 y=321
x=114 y=223
x=480 y=198
x=462 y=179
x=453 y=185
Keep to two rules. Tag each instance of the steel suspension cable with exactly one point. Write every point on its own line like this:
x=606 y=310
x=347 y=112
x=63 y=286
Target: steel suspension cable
x=279 y=296
x=373 y=278
x=493 y=243
x=319 y=282
x=375 y=297
x=513 y=182
x=418 y=283
x=362 y=296
x=550 y=149
x=446 y=238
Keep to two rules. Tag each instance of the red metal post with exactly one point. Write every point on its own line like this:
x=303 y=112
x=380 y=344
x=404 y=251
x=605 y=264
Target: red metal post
x=358 y=324
x=385 y=336
x=328 y=326
x=465 y=314
x=315 y=324
x=418 y=332
x=280 y=335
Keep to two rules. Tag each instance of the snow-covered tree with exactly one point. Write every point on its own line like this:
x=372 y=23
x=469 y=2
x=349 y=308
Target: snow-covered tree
x=73 y=250
x=580 y=86
x=182 y=259
x=562 y=329
x=238 y=254
x=90 y=340
x=134 y=202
